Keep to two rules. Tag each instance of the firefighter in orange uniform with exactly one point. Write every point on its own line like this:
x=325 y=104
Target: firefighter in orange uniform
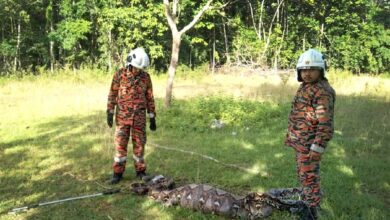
x=310 y=126
x=129 y=99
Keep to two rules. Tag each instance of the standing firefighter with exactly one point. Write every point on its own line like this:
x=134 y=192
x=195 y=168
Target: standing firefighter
x=310 y=126
x=131 y=93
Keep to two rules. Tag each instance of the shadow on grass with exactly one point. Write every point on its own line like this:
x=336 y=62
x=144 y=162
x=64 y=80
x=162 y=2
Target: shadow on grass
x=72 y=156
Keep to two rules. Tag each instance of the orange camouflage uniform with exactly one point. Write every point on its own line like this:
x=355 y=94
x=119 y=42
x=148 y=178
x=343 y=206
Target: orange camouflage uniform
x=132 y=94
x=310 y=123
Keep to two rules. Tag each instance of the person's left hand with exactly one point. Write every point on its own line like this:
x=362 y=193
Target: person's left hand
x=314 y=156
x=152 y=125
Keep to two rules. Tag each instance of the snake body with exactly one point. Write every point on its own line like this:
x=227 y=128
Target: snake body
x=209 y=199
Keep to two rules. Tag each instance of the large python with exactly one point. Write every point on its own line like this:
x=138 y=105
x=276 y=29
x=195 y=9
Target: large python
x=209 y=199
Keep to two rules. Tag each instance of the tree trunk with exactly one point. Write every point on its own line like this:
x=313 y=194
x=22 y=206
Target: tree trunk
x=176 y=40
x=213 y=53
x=109 y=53
x=172 y=19
x=52 y=57
x=191 y=57
x=2 y=40
x=270 y=29
x=93 y=36
x=261 y=25
x=60 y=52
x=12 y=25
x=226 y=42
x=253 y=18
x=321 y=34
x=276 y=63
x=277 y=53
x=278 y=13
x=17 y=57
x=74 y=67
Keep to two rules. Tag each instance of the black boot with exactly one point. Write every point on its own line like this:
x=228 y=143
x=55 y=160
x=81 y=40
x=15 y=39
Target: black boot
x=116 y=178
x=309 y=213
x=140 y=174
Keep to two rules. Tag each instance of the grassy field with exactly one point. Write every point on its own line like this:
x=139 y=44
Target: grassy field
x=54 y=143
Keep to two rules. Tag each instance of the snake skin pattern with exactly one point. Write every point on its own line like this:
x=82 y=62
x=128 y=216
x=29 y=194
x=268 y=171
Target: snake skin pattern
x=209 y=199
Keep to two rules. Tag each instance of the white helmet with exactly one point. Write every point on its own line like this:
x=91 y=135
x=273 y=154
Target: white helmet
x=311 y=59
x=138 y=58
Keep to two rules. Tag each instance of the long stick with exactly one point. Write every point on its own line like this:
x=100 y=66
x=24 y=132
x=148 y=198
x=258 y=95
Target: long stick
x=25 y=208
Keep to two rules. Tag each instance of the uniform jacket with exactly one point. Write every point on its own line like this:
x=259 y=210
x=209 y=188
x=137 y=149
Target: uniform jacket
x=311 y=117
x=132 y=94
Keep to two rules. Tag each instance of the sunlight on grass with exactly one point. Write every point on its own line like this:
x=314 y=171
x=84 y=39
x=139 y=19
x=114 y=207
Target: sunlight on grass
x=155 y=210
x=247 y=146
x=346 y=170
x=279 y=155
x=257 y=169
x=96 y=148
x=338 y=152
x=14 y=150
x=34 y=197
x=386 y=186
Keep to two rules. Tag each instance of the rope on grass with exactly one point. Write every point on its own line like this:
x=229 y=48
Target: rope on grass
x=207 y=157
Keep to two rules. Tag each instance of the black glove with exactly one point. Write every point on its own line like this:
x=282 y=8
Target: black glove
x=152 y=125
x=110 y=119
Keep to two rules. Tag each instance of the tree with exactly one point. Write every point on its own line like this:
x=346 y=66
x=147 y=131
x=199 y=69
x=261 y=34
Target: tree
x=73 y=29
x=172 y=18
x=37 y=35
x=124 y=28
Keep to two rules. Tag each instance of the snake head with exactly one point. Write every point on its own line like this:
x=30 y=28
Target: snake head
x=139 y=188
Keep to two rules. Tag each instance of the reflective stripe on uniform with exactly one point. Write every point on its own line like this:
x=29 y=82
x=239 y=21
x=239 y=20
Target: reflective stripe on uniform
x=121 y=133
x=120 y=159
x=138 y=159
x=317 y=148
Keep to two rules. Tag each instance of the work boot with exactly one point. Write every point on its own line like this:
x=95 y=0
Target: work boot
x=116 y=178
x=309 y=213
x=140 y=174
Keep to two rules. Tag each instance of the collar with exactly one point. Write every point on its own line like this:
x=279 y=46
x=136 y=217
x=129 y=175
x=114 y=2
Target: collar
x=132 y=72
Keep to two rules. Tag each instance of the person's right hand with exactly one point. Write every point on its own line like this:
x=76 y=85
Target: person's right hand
x=110 y=119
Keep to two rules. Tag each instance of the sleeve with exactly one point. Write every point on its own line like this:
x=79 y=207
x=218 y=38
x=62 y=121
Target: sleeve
x=323 y=107
x=113 y=93
x=150 y=98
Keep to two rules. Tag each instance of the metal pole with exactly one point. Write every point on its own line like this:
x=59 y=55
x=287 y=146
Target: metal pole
x=25 y=208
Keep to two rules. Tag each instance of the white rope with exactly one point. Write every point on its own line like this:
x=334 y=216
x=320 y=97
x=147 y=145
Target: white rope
x=251 y=171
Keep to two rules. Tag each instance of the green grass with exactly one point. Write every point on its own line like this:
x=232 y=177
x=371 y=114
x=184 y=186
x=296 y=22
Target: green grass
x=54 y=143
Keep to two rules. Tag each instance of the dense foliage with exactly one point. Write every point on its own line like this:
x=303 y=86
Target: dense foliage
x=354 y=34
